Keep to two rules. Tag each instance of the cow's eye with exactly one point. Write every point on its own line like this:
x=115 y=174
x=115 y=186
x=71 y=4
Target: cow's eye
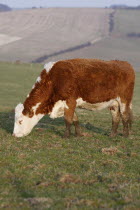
x=20 y=122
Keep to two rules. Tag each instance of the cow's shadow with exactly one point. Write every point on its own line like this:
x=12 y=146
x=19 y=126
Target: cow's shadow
x=7 y=123
x=95 y=129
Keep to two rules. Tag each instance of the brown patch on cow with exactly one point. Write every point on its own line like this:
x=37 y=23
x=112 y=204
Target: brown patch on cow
x=40 y=94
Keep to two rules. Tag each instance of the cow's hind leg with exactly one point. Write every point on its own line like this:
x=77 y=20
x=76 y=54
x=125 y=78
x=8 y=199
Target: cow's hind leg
x=69 y=115
x=130 y=120
x=126 y=114
x=115 y=112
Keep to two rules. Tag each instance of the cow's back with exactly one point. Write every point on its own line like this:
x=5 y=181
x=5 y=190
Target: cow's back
x=92 y=80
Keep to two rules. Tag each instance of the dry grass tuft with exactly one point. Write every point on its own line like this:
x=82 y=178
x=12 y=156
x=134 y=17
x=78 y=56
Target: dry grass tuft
x=86 y=134
x=79 y=202
x=42 y=200
x=113 y=187
x=69 y=178
x=46 y=184
x=110 y=151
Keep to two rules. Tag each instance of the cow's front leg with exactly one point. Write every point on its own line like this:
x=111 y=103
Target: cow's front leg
x=68 y=129
x=68 y=115
x=114 y=109
x=77 y=127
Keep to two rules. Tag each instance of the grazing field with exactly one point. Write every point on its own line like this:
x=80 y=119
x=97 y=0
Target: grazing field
x=42 y=32
x=43 y=170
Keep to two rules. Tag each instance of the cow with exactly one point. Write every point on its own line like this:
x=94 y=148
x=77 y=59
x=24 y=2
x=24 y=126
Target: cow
x=90 y=84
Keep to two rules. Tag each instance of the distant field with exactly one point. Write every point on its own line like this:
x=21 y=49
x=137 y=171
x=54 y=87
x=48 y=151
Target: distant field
x=44 y=35
x=118 y=45
x=47 y=31
x=45 y=171
x=5 y=39
x=126 y=21
x=108 y=49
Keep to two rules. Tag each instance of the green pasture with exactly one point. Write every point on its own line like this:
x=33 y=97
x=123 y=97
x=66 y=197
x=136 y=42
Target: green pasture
x=46 y=171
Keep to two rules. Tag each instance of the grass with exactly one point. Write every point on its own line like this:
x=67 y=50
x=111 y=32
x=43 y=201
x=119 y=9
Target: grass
x=45 y=171
x=127 y=21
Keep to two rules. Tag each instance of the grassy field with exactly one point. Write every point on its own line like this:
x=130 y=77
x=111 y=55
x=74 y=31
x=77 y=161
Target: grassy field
x=45 y=171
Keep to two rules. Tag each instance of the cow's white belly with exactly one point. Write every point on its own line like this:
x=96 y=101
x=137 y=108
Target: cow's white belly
x=58 y=109
x=98 y=106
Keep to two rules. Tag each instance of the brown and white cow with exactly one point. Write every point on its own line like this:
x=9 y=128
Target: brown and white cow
x=85 y=83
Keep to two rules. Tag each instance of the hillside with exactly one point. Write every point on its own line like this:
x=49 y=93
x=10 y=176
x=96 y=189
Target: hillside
x=29 y=34
x=119 y=44
x=43 y=35
x=4 y=8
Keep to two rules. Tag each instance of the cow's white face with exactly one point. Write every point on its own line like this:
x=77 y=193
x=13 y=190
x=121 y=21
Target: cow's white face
x=24 y=124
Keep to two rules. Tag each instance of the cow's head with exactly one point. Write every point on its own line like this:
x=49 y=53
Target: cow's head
x=24 y=123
